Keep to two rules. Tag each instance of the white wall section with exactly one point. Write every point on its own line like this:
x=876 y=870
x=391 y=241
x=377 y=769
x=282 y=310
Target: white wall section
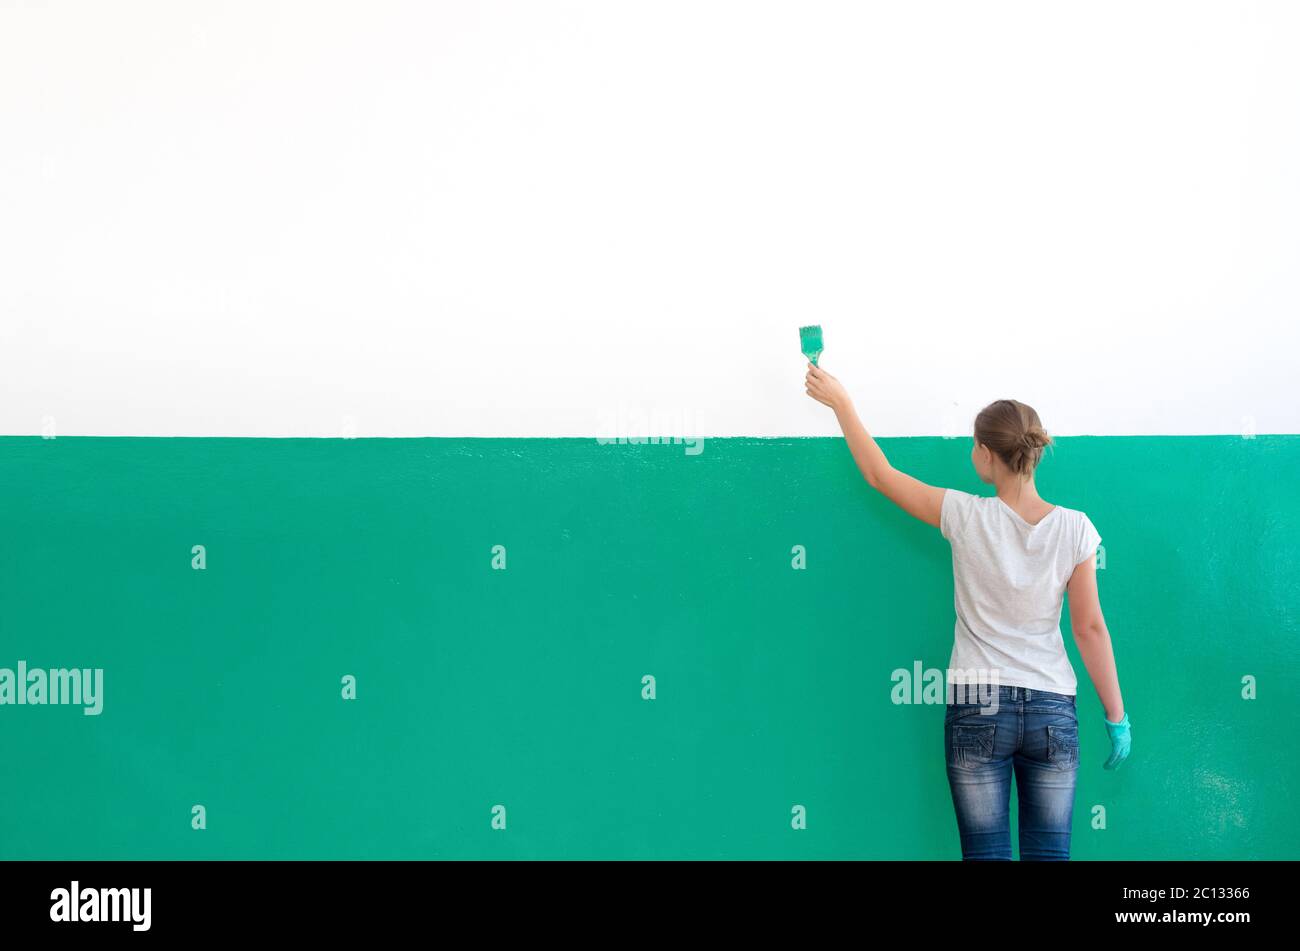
x=539 y=218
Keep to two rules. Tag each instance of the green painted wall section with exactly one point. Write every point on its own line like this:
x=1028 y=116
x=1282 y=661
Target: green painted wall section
x=523 y=687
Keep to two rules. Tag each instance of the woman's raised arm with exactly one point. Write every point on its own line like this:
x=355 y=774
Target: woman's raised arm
x=913 y=496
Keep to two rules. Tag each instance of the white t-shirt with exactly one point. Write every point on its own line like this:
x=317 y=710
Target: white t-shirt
x=1009 y=581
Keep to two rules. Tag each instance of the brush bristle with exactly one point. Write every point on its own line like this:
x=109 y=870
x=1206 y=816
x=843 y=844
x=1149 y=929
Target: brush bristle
x=810 y=338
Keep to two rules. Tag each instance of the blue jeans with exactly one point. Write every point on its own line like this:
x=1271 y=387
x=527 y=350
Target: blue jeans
x=1034 y=732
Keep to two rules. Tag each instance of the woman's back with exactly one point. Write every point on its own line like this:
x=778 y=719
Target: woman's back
x=1009 y=579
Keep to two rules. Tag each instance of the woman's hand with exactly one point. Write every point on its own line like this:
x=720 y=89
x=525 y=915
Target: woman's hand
x=1121 y=742
x=824 y=388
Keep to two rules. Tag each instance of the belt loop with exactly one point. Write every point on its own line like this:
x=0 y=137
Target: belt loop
x=1029 y=694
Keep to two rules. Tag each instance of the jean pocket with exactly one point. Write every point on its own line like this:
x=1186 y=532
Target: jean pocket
x=971 y=745
x=1063 y=746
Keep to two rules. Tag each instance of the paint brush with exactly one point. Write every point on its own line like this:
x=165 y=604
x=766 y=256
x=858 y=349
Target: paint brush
x=810 y=340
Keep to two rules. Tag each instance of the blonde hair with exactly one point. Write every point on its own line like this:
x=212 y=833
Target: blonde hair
x=1014 y=432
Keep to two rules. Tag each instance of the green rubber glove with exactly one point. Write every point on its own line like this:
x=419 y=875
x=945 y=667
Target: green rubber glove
x=1120 y=740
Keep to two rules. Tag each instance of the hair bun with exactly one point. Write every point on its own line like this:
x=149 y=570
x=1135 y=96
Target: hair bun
x=1035 y=438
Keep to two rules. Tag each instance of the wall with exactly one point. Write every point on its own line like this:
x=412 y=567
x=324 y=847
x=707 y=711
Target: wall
x=511 y=219
x=522 y=687
x=531 y=221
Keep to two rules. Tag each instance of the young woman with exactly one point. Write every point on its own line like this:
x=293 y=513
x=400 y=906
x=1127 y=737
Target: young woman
x=1014 y=556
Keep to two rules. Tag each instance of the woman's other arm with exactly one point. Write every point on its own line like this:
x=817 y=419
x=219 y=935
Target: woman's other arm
x=1093 y=638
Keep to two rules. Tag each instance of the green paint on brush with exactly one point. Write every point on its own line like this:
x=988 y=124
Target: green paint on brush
x=810 y=339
